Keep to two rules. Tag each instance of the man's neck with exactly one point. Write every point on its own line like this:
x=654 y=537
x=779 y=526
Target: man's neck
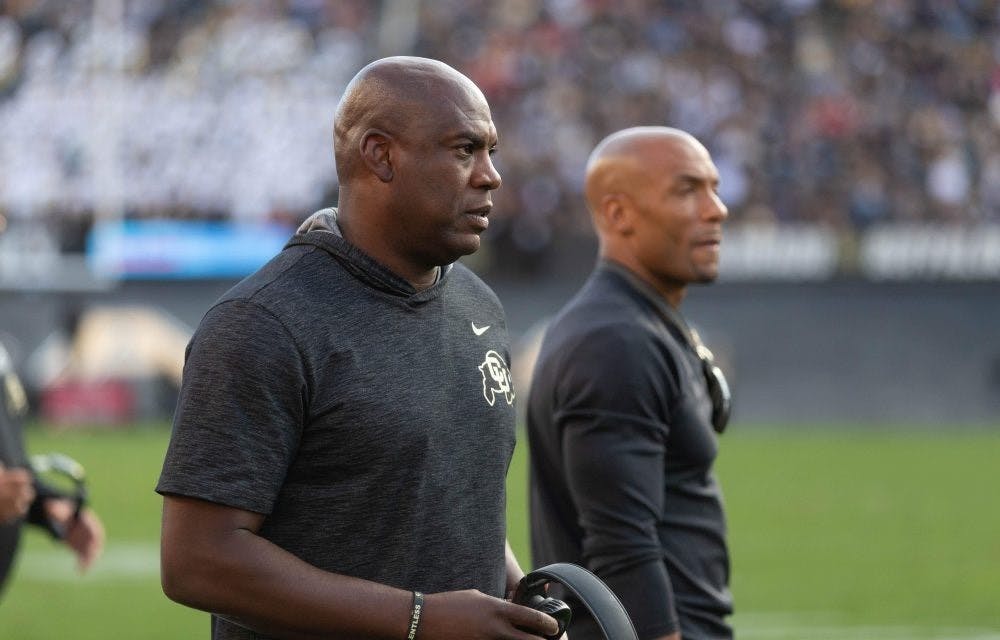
x=672 y=292
x=372 y=243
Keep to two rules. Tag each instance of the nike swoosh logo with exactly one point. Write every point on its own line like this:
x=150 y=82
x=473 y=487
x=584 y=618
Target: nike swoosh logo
x=479 y=330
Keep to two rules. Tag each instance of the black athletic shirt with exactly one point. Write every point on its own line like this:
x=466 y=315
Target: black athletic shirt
x=621 y=460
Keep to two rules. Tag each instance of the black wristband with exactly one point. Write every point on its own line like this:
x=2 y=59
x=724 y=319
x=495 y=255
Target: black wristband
x=418 y=607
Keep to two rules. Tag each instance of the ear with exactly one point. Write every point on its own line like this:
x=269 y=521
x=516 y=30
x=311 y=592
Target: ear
x=374 y=148
x=617 y=214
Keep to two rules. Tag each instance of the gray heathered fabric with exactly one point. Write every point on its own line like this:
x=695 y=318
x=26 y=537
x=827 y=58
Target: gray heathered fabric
x=354 y=412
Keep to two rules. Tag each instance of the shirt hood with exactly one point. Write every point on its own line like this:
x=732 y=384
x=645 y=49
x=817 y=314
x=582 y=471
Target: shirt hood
x=322 y=230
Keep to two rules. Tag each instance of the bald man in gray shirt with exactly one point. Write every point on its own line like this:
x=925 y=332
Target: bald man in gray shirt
x=346 y=417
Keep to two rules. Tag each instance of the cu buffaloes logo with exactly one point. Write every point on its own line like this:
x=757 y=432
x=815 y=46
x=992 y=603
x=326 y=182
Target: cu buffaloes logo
x=496 y=378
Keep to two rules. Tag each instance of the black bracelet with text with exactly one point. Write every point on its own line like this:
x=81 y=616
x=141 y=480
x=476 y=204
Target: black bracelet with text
x=418 y=605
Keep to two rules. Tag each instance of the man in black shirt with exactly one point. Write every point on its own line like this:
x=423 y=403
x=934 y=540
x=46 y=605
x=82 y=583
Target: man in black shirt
x=621 y=411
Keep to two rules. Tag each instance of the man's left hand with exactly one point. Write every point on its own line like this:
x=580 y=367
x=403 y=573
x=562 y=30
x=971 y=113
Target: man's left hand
x=84 y=534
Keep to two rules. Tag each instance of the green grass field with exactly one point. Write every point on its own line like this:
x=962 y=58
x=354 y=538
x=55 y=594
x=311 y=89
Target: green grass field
x=836 y=533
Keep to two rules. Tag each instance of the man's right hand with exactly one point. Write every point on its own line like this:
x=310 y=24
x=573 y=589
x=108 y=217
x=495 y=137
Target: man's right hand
x=473 y=615
x=16 y=493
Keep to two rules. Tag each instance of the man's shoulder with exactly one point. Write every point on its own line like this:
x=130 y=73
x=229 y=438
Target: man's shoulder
x=465 y=281
x=274 y=288
x=598 y=307
x=602 y=322
x=582 y=328
x=296 y=270
x=466 y=276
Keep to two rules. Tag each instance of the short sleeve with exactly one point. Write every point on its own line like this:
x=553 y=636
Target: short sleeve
x=240 y=411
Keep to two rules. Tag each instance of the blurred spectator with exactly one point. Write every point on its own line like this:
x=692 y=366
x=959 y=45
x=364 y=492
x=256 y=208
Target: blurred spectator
x=846 y=114
x=24 y=498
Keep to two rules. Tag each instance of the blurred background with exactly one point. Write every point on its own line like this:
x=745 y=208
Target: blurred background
x=153 y=152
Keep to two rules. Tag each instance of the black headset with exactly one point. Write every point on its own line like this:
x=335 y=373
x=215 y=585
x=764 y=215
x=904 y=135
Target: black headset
x=599 y=600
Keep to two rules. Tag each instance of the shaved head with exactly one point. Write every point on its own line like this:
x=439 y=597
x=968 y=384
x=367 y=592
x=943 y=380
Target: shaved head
x=413 y=141
x=390 y=95
x=619 y=163
x=653 y=196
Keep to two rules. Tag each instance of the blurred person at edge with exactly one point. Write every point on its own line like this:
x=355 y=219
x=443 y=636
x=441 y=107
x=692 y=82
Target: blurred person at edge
x=346 y=417
x=24 y=498
x=625 y=401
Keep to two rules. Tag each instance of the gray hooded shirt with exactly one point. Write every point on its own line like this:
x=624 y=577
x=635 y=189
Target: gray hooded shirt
x=371 y=423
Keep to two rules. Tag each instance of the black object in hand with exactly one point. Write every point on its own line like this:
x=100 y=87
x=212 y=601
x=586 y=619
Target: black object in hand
x=599 y=600
x=550 y=606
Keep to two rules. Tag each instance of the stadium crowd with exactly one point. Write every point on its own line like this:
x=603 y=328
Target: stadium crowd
x=847 y=113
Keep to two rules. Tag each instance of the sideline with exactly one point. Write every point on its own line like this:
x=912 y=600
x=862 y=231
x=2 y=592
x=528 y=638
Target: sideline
x=120 y=561
x=141 y=562
x=826 y=626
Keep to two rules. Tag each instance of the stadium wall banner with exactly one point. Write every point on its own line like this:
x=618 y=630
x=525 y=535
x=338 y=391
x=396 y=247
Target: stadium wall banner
x=905 y=252
x=893 y=252
x=176 y=249
x=779 y=252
